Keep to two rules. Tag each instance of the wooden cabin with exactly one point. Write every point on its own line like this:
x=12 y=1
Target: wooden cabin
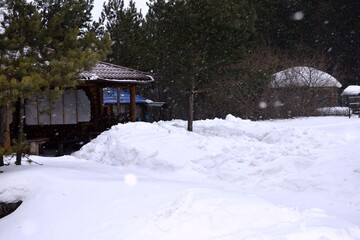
x=80 y=114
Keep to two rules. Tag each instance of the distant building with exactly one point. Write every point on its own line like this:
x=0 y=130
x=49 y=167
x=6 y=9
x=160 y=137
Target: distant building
x=299 y=91
x=351 y=90
x=351 y=97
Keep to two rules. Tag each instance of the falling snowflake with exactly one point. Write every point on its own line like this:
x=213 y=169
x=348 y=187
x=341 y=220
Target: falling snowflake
x=298 y=16
x=130 y=179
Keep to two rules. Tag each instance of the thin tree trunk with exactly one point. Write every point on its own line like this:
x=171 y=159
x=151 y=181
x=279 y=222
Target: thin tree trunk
x=191 y=104
x=7 y=143
x=19 y=151
x=2 y=133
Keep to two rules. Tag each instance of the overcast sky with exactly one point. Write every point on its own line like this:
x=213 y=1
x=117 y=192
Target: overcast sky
x=140 y=4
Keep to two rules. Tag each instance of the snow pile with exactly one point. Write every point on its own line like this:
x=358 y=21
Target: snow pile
x=208 y=214
x=230 y=179
x=333 y=111
x=231 y=149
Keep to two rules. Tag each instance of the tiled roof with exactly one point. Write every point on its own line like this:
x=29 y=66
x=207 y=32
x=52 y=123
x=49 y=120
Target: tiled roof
x=114 y=73
x=110 y=97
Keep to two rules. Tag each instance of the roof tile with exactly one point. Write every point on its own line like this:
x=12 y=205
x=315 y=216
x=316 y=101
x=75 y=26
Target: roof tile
x=114 y=73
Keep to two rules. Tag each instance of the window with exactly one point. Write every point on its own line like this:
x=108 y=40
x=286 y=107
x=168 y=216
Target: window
x=71 y=108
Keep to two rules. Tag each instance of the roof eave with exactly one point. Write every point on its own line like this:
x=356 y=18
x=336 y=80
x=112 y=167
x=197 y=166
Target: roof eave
x=120 y=81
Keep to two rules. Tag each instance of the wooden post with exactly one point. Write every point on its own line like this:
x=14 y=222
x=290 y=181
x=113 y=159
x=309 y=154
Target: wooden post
x=132 y=104
x=118 y=108
x=191 y=104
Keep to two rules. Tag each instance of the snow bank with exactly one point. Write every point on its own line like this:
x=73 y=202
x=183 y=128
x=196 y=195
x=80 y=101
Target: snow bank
x=220 y=148
x=209 y=214
x=312 y=157
x=230 y=179
x=333 y=111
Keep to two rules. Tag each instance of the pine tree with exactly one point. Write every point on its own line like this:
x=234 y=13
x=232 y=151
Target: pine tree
x=193 y=40
x=124 y=24
x=43 y=48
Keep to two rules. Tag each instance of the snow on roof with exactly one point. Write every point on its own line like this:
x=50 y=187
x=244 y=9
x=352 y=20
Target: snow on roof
x=114 y=73
x=351 y=90
x=303 y=77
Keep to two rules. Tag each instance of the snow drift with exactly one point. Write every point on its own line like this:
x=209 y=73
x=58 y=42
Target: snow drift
x=229 y=179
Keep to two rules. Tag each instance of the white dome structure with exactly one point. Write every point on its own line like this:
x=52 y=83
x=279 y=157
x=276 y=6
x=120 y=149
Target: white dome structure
x=303 y=77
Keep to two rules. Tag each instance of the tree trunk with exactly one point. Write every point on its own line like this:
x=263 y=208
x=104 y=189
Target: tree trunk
x=7 y=143
x=20 y=149
x=191 y=104
x=2 y=133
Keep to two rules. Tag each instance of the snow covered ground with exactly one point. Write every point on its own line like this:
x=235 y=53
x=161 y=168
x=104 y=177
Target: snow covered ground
x=230 y=179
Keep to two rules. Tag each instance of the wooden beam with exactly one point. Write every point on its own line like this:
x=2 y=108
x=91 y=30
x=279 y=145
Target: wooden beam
x=132 y=103
x=118 y=108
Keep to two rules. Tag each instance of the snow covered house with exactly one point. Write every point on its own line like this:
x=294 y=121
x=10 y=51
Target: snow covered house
x=299 y=91
x=351 y=97
x=80 y=113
